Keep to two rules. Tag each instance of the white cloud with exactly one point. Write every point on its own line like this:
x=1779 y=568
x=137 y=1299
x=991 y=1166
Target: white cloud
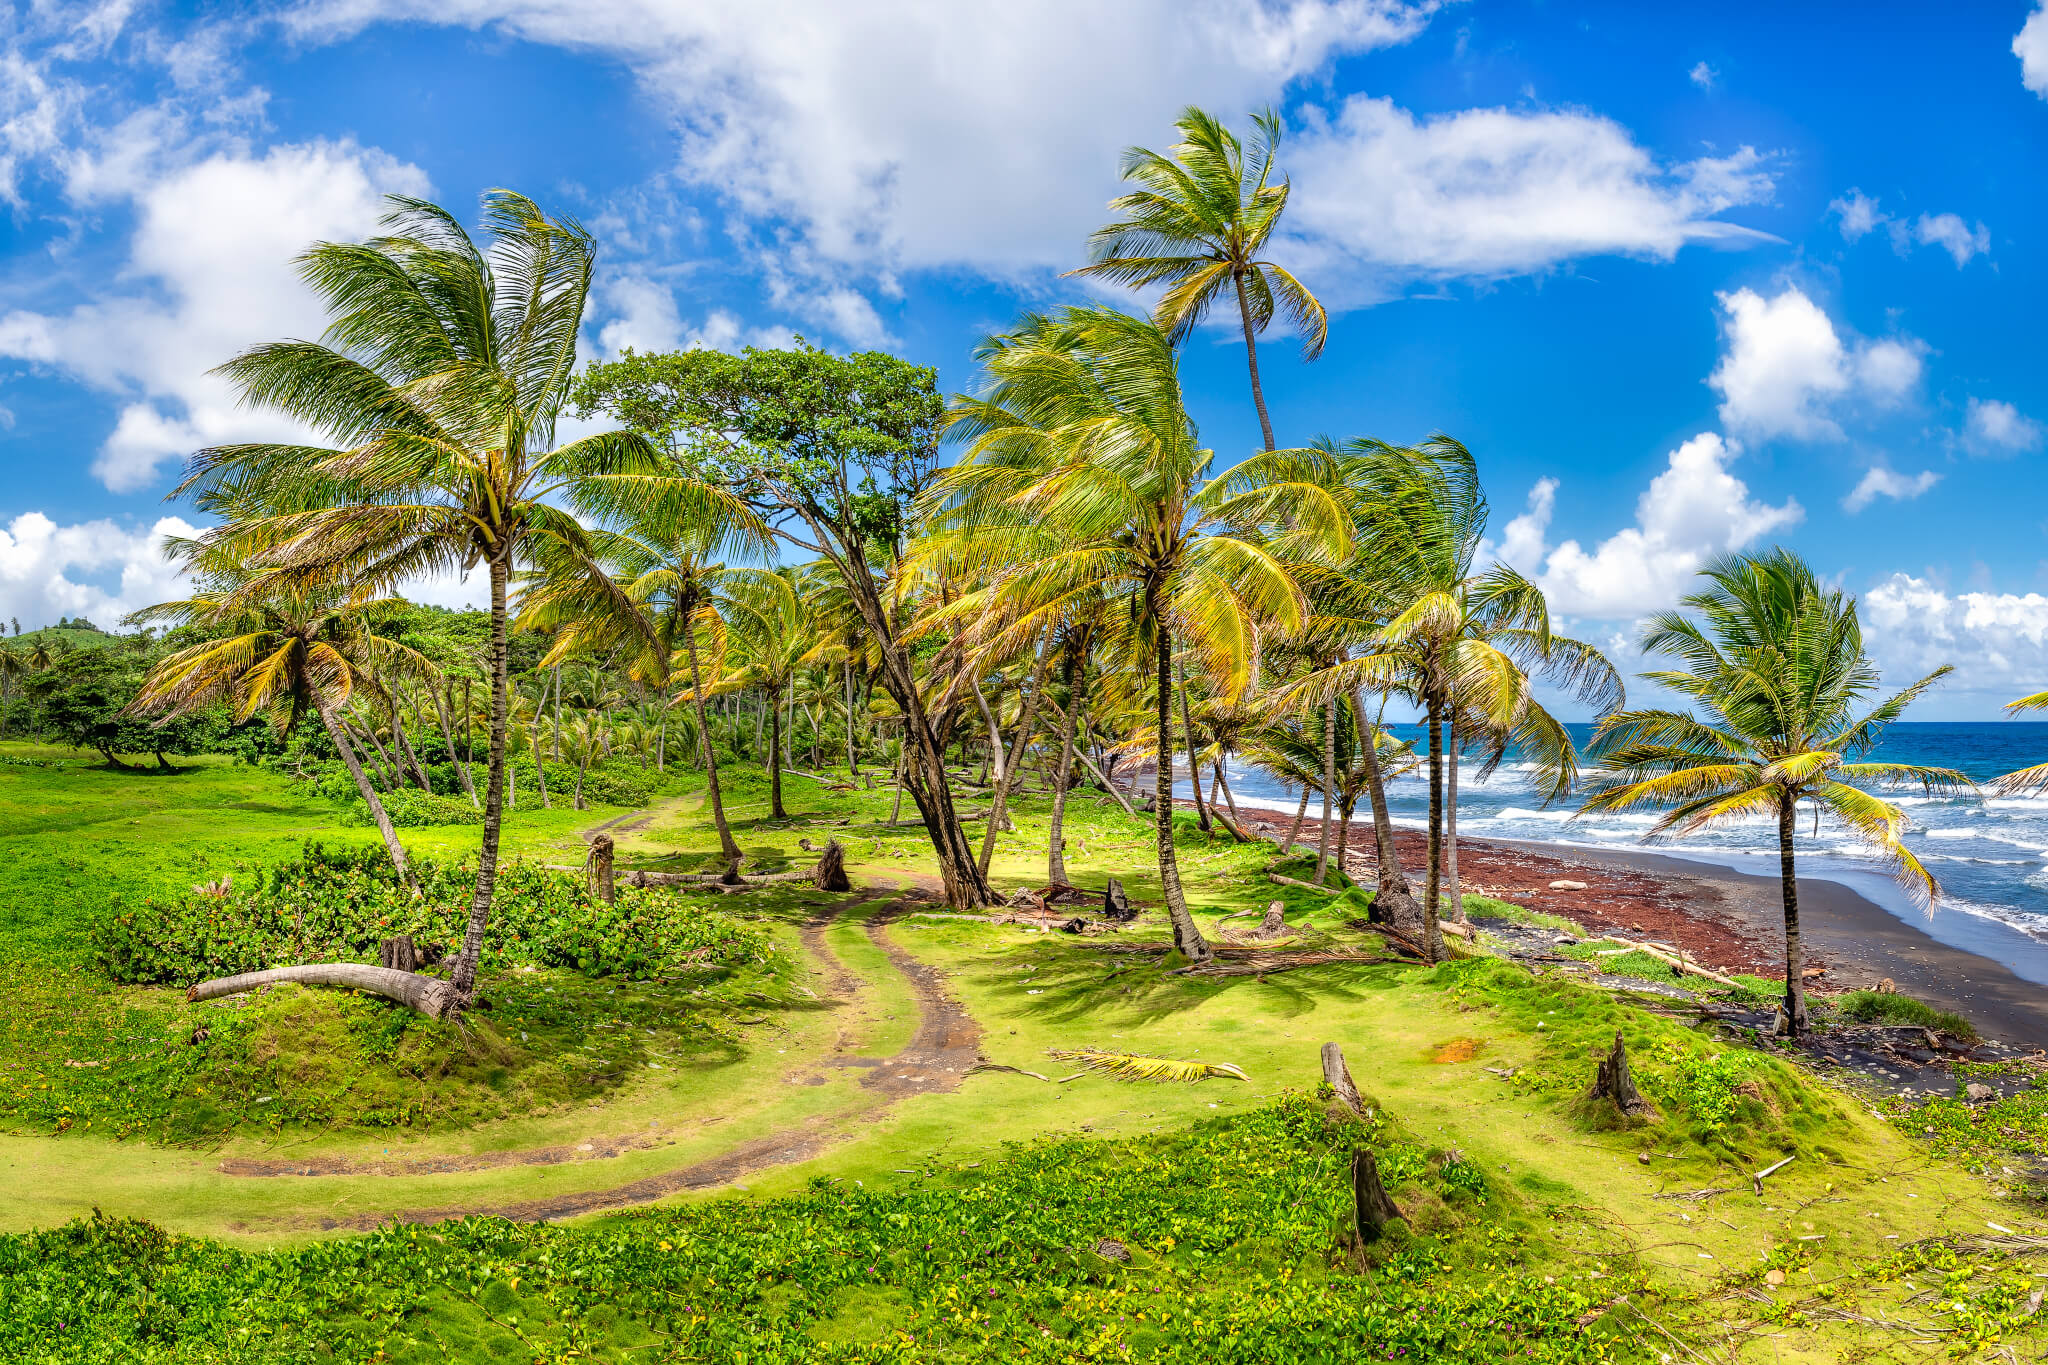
x=1997 y=427
x=1784 y=369
x=1879 y=482
x=1703 y=76
x=1997 y=641
x=1494 y=192
x=1859 y=214
x=100 y=570
x=917 y=135
x=1692 y=511
x=643 y=315
x=1947 y=231
x=209 y=272
x=2030 y=45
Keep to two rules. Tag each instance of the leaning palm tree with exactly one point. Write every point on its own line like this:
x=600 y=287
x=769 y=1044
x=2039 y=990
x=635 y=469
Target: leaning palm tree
x=440 y=379
x=275 y=648
x=769 y=636
x=1083 y=482
x=1774 y=667
x=1204 y=213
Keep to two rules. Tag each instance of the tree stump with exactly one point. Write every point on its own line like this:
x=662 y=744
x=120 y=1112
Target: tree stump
x=601 y=867
x=398 y=954
x=830 y=873
x=1116 y=904
x=1275 y=922
x=1615 y=1082
x=1338 y=1076
x=1370 y=1201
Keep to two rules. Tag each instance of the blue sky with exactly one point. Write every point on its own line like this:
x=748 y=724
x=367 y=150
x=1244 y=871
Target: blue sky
x=1686 y=279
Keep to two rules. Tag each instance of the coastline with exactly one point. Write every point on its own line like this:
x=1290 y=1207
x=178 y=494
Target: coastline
x=1728 y=919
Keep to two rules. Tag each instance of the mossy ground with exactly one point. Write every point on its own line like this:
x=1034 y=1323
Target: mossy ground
x=1568 y=1191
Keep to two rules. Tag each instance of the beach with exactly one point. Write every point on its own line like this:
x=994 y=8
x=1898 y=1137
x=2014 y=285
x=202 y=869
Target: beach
x=1730 y=920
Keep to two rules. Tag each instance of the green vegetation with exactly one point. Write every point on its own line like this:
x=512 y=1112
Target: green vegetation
x=1888 y=1007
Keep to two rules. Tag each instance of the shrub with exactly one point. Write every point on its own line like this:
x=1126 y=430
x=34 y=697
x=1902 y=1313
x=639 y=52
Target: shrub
x=337 y=905
x=1871 y=1007
x=412 y=808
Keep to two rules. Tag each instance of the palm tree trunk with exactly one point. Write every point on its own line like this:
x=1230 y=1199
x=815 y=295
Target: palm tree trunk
x=852 y=757
x=338 y=733
x=468 y=727
x=448 y=739
x=775 y=756
x=1432 y=936
x=1186 y=936
x=387 y=771
x=1229 y=796
x=1329 y=787
x=896 y=808
x=463 y=975
x=1251 y=355
x=1451 y=888
x=999 y=808
x=727 y=848
x=1301 y=810
x=1055 y=857
x=558 y=712
x=1187 y=726
x=1392 y=900
x=1795 y=958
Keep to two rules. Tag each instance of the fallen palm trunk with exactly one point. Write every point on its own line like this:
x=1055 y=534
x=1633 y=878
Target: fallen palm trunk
x=1671 y=958
x=428 y=995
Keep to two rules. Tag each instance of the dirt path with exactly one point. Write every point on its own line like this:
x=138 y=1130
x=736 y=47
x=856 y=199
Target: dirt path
x=945 y=1044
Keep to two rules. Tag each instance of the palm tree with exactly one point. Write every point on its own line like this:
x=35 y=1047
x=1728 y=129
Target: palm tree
x=1204 y=213
x=1083 y=482
x=440 y=378
x=1774 y=667
x=13 y=664
x=279 y=648
x=2027 y=781
x=769 y=637
x=1311 y=753
x=1458 y=639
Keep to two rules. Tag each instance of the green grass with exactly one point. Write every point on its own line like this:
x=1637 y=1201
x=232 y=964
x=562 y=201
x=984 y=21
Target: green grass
x=1231 y=1193
x=1873 y=1007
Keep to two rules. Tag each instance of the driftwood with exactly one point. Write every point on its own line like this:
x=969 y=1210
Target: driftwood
x=1338 y=1076
x=1615 y=1082
x=1672 y=958
x=428 y=995
x=1279 y=880
x=1370 y=1201
x=1274 y=924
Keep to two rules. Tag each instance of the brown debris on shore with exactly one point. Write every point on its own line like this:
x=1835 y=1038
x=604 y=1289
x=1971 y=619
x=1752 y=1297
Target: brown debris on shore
x=1686 y=913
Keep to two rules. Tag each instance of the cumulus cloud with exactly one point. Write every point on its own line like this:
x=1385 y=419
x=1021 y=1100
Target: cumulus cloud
x=1495 y=192
x=1995 y=427
x=1879 y=482
x=2030 y=45
x=1860 y=216
x=209 y=272
x=1695 y=509
x=1703 y=76
x=100 y=570
x=885 y=133
x=1997 y=641
x=1784 y=369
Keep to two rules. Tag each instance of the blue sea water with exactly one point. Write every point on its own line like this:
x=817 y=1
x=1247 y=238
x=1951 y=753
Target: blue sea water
x=1990 y=854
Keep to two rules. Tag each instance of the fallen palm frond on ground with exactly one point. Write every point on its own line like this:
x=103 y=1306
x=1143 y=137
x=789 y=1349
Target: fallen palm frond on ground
x=1128 y=1066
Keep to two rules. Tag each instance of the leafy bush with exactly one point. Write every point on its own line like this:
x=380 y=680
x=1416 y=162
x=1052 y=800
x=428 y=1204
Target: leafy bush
x=1233 y=1229
x=1871 y=1007
x=1707 y=1084
x=413 y=808
x=337 y=905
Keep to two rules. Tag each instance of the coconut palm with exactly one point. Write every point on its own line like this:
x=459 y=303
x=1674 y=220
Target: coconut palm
x=1458 y=639
x=1082 y=483
x=1309 y=752
x=281 y=649
x=769 y=636
x=440 y=378
x=1202 y=215
x=1774 y=668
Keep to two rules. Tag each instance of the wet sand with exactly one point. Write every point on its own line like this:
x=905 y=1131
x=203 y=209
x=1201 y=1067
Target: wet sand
x=1727 y=919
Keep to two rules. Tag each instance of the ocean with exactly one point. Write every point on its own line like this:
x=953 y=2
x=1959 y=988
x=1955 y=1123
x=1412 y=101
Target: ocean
x=1989 y=854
